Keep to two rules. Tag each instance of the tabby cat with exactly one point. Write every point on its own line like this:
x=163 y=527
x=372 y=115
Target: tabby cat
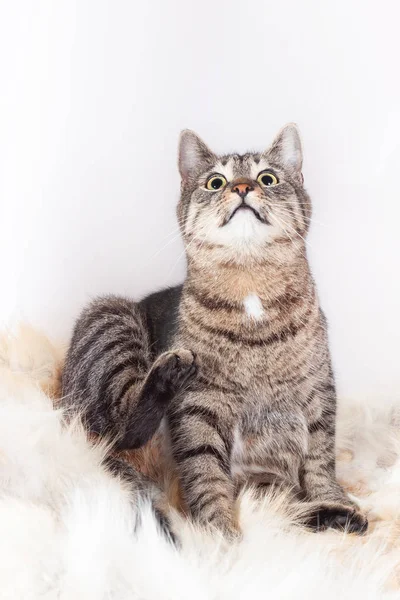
x=262 y=406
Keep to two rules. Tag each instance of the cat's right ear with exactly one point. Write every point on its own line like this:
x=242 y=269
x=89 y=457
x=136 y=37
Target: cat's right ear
x=194 y=155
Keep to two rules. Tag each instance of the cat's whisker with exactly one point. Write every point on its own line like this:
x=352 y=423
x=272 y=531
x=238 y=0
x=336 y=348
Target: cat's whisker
x=304 y=217
x=169 y=238
x=176 y=237
x=172 y=232
x=188 y=245
x=297 y=233
x=278 y=222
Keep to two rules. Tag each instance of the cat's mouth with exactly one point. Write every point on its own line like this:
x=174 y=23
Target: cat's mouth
x=245 y=207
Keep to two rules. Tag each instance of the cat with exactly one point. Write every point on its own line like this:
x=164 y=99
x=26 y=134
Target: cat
x=257 y=401
x=263 y=406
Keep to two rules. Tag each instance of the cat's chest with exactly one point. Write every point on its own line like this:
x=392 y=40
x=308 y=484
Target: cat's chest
x=236 y=341
x=230 y=341
x=253 y=308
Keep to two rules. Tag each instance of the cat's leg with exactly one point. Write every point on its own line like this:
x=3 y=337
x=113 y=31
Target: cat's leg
x=168 y=375
x=109 y=376
x=271 y=447
x=318 y=475
x=201 y=430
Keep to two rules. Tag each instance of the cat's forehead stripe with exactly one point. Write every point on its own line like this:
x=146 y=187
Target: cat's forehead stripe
x=225 y=167
x=236 y=165
x=256 y=168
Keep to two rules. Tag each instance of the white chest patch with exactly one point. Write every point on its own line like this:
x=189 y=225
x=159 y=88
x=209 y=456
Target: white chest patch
x=253 y=307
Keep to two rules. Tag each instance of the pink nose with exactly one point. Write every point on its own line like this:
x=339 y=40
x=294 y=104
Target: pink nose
x=242 y=189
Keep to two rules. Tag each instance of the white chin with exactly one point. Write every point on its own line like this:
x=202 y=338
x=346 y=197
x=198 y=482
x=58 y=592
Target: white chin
x=244 y=224
x=244 y=229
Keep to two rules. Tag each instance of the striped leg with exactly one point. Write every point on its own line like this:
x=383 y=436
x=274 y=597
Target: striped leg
x=108 y=376
x=319 y=478
x=201 y=428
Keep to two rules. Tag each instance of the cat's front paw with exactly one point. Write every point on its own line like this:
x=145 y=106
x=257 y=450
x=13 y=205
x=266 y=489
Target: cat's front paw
x=175 y=369
x=344 y=518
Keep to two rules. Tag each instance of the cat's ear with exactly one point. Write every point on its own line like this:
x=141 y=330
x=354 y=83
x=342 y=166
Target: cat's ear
x=286 y=149
x=193 y=154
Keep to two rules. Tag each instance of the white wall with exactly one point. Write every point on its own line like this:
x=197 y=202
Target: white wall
x=93 y=95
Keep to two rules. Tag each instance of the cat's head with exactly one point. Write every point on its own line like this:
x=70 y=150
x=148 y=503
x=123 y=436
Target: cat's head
x=242 y=206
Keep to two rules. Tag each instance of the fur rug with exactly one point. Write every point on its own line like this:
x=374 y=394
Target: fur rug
x=67 y=530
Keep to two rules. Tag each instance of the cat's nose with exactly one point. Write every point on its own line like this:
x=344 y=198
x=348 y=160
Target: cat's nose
x=242 y=189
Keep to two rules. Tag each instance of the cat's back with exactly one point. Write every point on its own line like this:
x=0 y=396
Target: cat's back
x=161 y=310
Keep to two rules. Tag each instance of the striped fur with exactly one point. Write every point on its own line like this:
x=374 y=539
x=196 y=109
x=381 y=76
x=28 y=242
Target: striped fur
x=263 y=407
x=113 y=379
x=110 y=376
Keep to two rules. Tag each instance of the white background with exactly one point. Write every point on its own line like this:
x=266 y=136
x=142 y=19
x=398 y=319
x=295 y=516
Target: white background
x=93 y=96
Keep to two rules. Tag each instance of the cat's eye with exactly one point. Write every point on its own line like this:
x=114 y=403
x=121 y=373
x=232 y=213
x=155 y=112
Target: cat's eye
x=216 y=182
x=266 y=178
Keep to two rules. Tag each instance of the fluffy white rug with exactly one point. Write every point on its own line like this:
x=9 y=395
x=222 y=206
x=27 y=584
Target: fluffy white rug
x=67 y=528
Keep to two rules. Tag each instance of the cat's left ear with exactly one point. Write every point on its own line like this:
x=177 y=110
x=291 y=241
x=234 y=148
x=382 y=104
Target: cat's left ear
x=287 y=151
x=194 y=154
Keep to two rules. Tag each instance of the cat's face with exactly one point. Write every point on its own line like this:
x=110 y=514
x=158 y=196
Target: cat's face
x=242 y=205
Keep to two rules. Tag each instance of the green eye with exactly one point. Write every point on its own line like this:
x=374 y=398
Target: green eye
x=216 y=182
x=266 y=178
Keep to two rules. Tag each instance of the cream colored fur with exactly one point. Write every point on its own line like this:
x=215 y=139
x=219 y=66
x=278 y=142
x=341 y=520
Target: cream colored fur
x=67 y=528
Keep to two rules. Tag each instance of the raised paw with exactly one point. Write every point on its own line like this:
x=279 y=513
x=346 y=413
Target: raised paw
x=344 y=518
x=175 y=369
